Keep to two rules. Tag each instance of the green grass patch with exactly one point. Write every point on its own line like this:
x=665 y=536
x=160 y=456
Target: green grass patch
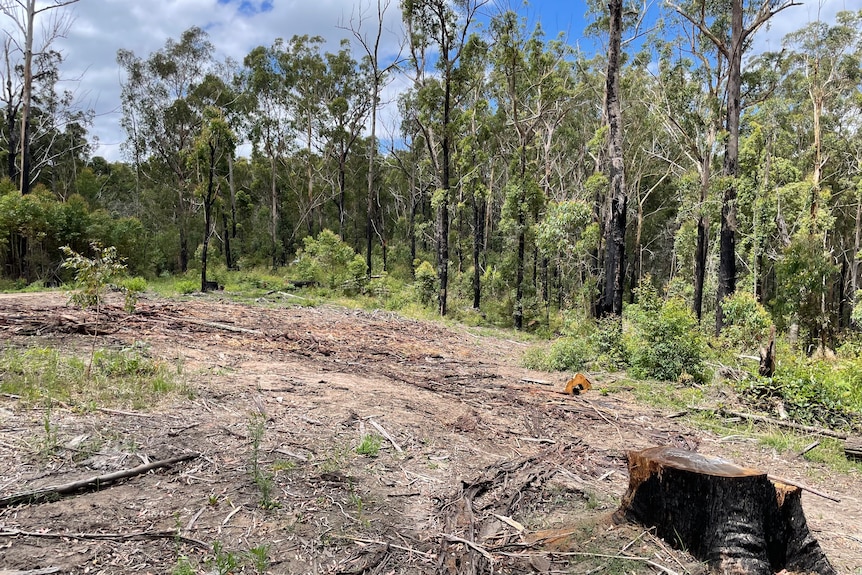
x=125 y=378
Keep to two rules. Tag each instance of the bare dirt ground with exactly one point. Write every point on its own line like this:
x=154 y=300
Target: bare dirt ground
x=482 y=471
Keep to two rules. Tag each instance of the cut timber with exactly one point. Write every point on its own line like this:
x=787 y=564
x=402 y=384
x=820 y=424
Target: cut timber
x=732 y=517
x=578 y=384
x=853 y=448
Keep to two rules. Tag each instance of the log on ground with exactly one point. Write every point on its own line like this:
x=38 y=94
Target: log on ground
x=732 y=517
x=853 y=448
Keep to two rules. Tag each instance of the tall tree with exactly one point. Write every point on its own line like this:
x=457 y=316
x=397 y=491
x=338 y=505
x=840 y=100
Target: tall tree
x=615 y=229
x=211 y=149
x=265 y=81
x=745 y=20
x=445 y=26
x=23 y=14
x=371 y=45
x=162 y=121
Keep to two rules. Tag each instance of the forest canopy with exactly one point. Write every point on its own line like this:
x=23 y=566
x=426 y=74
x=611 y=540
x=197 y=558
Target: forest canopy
x=525 y=180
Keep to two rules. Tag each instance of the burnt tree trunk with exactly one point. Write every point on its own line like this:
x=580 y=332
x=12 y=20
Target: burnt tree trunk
x=615 y=231
x=732 y=517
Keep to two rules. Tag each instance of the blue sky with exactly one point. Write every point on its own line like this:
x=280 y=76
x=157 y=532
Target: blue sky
x=101 y=27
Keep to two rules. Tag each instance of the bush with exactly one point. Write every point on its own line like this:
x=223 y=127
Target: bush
x=330 y=262
x=564 y=354
x=812 y=391
x=666 y=340
x=608 y=342
x=746 y=322
x=426 y=283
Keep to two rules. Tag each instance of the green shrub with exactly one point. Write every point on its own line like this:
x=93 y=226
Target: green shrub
x=426 y=283
x=564 y=354
x=132 y=288
x=812 y=391
x=330 y=262
x=607 y=339
x=185 y=287
x=746 y=322
x=665 y=340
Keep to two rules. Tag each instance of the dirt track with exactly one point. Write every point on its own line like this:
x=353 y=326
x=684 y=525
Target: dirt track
x=470 y=443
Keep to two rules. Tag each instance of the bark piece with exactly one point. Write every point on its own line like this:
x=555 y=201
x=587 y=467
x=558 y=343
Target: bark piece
x=732 y=517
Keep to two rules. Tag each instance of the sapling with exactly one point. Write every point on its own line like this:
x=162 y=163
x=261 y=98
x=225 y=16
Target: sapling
x=92 y=278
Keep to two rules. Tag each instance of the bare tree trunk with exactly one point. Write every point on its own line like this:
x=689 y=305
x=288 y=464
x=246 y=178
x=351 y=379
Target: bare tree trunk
x=615 y=232
x=727 y=240
x=478 y=241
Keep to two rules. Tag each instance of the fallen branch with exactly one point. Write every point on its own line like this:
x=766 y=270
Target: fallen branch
x=214 y=325
x=775 y=479
x=385 y=434
x=137 y=535
x=481 y=550
x=54 y=492
x=45 y=571
x=393 y=545
x=773 y=421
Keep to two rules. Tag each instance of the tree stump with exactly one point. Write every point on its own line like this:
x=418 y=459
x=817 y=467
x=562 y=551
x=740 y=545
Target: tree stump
x=732 y=517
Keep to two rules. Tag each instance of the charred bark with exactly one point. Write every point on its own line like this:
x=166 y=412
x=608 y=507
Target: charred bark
x=733 y=517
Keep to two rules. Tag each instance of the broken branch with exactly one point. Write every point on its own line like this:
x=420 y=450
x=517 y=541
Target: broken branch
x=94 y=483
x=385 y=434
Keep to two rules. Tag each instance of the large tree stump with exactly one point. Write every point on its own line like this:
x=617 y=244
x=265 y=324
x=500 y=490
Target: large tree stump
x=732 y=517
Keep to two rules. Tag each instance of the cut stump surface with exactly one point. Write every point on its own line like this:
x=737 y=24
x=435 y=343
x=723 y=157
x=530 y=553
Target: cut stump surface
x=732 y=517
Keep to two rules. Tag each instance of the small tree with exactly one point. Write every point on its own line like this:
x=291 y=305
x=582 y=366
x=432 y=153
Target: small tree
x=92 y=277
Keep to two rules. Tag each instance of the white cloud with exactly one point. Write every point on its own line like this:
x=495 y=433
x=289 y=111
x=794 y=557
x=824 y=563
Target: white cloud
x=102 y=27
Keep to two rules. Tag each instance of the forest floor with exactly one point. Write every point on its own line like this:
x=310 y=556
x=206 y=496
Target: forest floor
x=481 y=468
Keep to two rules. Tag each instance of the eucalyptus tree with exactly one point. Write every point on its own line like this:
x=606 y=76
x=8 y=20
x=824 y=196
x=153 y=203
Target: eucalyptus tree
x=211 y=148
x=265 y=81
x=441 y=26
x=688 y=95
x=615 y=229
x=746 y=18
x=348 y=104
x=162 y=122
x=305 y=66
x=823 y=65
x=378 y=72
x=23 y=15
x=529 y=79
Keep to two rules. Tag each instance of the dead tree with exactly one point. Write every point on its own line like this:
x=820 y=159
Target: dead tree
x=732 y=517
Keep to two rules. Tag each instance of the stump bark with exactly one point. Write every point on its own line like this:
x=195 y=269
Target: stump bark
x=732 y=517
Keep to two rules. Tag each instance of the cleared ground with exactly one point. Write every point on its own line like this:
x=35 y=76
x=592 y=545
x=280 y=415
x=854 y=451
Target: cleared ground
x=482 y=470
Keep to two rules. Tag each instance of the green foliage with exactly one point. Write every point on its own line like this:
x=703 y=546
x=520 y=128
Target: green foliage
x=666 y=340
x=259 y=556
x=132 y=288
x=746 y=321
x=812 y=391
x=183 y=567
x=262 y=479
x=609 y=344
x=427 y=284
x=186 y=287
x=330 y=262
x=369 y=445
x=224 y=561
x=92 y=275
x=564 y=354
